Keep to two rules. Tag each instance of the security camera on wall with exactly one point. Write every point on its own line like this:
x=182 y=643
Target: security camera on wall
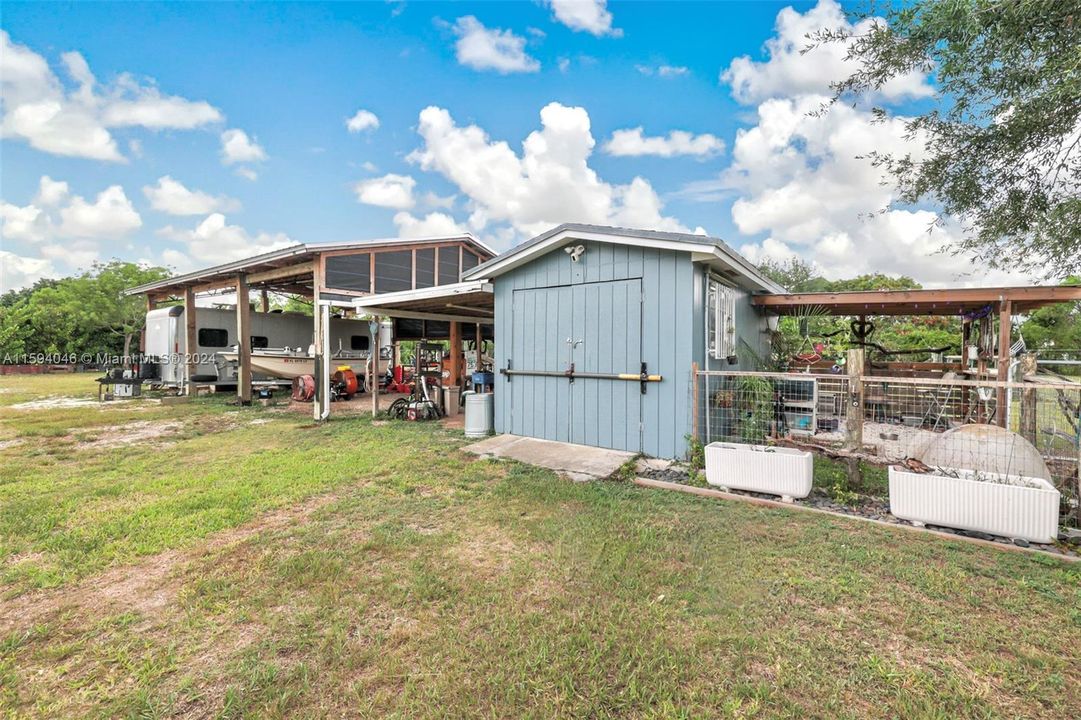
x=575 y=251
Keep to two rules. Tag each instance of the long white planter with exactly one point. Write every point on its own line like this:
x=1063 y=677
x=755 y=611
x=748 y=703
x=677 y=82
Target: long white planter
x=778 y=471
x=1013 y=507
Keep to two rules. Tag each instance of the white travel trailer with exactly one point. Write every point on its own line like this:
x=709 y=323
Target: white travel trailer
x=280 y=343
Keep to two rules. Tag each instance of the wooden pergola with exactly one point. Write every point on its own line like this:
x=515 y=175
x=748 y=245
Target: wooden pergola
x=965 y=303
x=327 y=274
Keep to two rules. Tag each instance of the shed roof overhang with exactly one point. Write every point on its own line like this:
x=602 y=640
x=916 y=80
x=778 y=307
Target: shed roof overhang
x=288 y=270
x=951 y=301
x=470 y=302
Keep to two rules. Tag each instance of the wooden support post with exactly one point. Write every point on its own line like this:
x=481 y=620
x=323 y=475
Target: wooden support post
x=456 y=353
x=480 y=347
x=694 y=400
x=264 y=301
x=966 y=337
x=1005 y=322
x=150 y=305
x=316 y=346
x=243 y=340
x=191 y=339
x=1027 y=426
x=855 y=412
x=373 y=327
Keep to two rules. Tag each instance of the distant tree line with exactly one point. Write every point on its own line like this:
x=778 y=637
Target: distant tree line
x=87 y=313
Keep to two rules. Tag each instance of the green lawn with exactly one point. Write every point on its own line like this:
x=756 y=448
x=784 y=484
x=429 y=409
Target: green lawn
x=248 y=564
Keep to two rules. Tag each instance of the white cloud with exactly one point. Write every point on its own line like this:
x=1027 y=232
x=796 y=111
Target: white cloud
x=664 y=71
x=17 y=272
x=29 y=223
x=67 y=229
x=390 y=191
x=439 y=201
x=110 y=216
x=433 y=224
x=215 y=241
x=171 y=196
x=362 y=120
x=247 y=173
x=590 y=16
x=48 y=217
x=51 y=192
x=237 y=147
x=549 y=183
x=789 y=71
x=800 y=178
x=633 y=143
x=76 y=121
x=482 y=48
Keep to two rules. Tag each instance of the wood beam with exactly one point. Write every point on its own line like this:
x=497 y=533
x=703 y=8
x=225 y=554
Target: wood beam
x=456 y=353
x=288 y=271
x=264 y=301
x=1005 y=324
x=243 y=339
x=191 y=339
x=317 y=281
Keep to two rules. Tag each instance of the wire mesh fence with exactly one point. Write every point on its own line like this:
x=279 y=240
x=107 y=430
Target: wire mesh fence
x=950 y=423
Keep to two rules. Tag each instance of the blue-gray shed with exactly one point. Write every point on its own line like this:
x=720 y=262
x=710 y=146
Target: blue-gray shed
x=585 y=300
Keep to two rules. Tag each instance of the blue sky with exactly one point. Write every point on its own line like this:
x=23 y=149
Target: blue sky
x=126 y=110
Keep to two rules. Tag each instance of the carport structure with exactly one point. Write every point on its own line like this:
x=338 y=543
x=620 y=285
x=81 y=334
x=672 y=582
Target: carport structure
x=448 y=311
x=330 y=275
x=975 y=306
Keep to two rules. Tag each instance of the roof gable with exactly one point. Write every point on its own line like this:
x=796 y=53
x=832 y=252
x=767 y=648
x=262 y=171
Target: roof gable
x=704 y=247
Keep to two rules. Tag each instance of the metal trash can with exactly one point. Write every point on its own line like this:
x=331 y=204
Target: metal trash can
x=450 y=400
x=479 y=414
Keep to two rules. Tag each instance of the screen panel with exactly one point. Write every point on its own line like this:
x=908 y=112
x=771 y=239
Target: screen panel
x=408 y=329
x=425 y=267
x=393 y=271
x=469 y=261
x=448 y=265
x=349 y=272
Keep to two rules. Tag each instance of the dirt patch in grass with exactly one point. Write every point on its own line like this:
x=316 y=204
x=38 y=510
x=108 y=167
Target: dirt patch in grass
x=146 y=587
x=53 y=403
x=132 y=433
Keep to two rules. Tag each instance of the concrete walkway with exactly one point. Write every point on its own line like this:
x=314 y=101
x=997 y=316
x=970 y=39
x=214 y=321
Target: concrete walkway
x=577 y=462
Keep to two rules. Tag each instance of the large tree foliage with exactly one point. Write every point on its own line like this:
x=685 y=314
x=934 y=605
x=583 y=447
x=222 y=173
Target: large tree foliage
x=1003 y=135
x=83 y=314
x=1055 y=328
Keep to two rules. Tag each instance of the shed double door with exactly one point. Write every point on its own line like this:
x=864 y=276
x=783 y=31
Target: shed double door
x=597 y=327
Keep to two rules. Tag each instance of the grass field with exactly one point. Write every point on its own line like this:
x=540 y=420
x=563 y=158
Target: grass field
x=248 y=564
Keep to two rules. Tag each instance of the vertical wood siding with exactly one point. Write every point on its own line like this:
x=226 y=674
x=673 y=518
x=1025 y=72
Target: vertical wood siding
x=537 y=406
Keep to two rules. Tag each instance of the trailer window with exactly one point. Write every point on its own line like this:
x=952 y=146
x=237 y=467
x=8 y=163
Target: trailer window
x=360 y=342
x=213 y=337
x=259 y=342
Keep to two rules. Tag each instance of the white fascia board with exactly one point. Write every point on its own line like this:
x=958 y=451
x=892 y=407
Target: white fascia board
x=428 y=293
x=513 y=261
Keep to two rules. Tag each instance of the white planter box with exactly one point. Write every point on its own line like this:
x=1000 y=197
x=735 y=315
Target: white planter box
x=1013 y=507
x=774 y=470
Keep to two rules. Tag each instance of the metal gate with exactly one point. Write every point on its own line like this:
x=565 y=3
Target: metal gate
x=575 y=370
